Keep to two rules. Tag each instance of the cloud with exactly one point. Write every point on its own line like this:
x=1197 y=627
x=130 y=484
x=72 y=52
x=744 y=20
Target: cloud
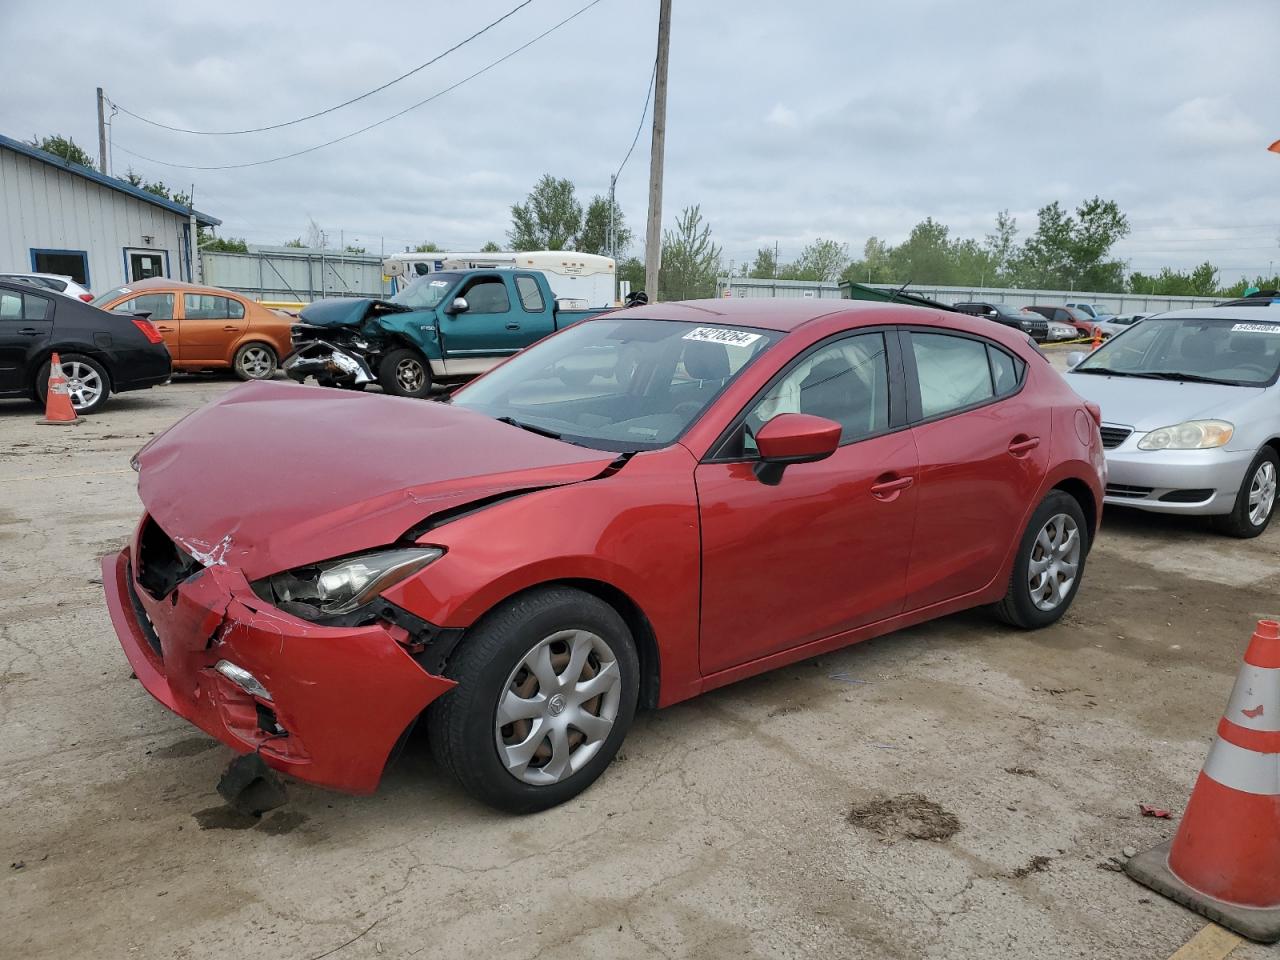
x=1213 y=122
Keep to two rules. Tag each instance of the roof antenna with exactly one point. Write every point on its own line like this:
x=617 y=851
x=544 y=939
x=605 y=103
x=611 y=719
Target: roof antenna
x=899 y=290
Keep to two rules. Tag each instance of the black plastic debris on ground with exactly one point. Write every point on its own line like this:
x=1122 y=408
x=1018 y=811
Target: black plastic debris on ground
x=250 y=787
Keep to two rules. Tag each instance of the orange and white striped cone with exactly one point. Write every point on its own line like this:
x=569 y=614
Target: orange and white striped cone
x=1097 y=338
x=1224 y=861
x=58 y=410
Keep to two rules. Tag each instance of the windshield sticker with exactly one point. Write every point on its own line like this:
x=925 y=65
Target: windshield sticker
x=439 y=283
x=1272 y=328
x=732 y=338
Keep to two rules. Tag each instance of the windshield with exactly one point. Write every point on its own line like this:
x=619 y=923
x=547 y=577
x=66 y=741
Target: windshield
x=1194 y=349
x=617 y=384
x=426 y=292
x=110 y=295
x=1007 y=311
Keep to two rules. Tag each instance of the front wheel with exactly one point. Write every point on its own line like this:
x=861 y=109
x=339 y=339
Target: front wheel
x=1048 y=565
x=547 y=688
x=1256 y=499
x=255 y=361
x=405 y=373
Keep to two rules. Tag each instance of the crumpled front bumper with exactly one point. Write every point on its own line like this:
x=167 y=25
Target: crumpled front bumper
x=344 y=696
x=324 y=361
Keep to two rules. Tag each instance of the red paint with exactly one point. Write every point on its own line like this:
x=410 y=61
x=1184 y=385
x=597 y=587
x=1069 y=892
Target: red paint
x=732 y=576
x=1150 y=810
x=1254 y=713
x=1261 y=741
x=798 y=436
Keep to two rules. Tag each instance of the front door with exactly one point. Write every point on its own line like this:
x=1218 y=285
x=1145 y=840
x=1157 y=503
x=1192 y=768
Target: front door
x=825 y=550
x=26 y=321
x=489 y=327
x=983 y=444
x=211 y=326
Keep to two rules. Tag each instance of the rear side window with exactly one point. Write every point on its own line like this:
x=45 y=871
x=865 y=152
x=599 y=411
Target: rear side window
x=530 y=295
x=159 y=305
x=205 y=306
x=1006 y=371
x=953 y=372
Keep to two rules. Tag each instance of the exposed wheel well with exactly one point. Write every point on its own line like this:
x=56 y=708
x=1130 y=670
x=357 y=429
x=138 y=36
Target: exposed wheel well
x=1083 y=496
x=1274 y=444
x=637 y=623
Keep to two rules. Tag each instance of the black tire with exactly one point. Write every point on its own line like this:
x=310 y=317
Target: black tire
x=462 y=725
x=394 y=374
x=69 y=363
x=255 y=361
x=1019 y=608
x=1238 y=523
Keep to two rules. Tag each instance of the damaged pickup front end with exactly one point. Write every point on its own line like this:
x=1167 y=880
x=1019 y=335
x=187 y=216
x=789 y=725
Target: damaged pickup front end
x=341 y=342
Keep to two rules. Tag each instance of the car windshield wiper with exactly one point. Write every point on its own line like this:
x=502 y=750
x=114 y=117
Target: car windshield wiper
x=541 y=431
x=1108 y=372
x=1189 y=377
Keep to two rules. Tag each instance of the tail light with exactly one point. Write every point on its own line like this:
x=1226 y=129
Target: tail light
x=87 y=297
x=148 y=330
x=1095 y=411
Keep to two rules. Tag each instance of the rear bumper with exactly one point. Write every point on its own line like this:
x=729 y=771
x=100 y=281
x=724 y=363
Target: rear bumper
x=343 y=696
x=137 y=369
x=1204 y=482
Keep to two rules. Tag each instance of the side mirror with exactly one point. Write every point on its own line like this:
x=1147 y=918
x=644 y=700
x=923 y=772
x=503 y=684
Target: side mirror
x=1074 y=358
x=793 y=438
x=459 y=305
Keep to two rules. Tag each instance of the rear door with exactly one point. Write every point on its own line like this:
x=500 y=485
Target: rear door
x=26 y=320
x=534 y=320
x=983 y=444
x=211 y=327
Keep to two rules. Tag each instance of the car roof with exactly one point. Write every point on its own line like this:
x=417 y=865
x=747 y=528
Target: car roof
x=164 y=283
x=1245 y=314
x=768 y=313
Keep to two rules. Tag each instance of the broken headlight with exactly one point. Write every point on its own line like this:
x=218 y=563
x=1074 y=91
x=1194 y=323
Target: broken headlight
x=337 y=587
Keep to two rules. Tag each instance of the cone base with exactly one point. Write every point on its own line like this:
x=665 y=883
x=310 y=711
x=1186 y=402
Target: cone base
x=1151 y=869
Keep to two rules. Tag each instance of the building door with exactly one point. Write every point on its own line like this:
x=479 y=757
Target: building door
x=145 y=264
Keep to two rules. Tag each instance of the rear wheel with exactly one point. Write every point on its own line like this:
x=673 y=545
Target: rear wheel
x=87 y=382
x=1256 y=499
x=255 y=361
x=1049 y=564
x=405 y=373
x=547 y=688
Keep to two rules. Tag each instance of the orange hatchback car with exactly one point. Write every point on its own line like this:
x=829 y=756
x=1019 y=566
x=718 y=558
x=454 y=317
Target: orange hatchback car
x=207 y=328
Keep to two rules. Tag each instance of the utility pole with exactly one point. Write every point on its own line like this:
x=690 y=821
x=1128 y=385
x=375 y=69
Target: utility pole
x=611 y=241
x=653 y=234
x=102 y=134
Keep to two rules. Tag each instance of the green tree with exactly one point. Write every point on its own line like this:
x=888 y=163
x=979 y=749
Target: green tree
x=207 y=241
x=632 y=271
x=765 y=265
x=874 y=265
x=490 y=247
x=594 y=236
x=925 y=256
x=1201 y=281
x=426 y=247
x=352 y=248
x=1071 y=253
x=295 y=242
x=822 y=261
x=690 y=259
x=549 y=219
x=64 y=147
x=1002 y=249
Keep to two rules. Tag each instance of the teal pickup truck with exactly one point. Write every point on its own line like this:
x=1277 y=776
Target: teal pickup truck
x=441 y=328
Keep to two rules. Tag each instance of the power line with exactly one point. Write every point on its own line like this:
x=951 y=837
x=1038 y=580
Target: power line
x=354 y=133
x=643 y=113
x=345 y=103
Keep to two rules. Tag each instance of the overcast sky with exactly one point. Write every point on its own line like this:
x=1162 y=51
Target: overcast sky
x=786 y=121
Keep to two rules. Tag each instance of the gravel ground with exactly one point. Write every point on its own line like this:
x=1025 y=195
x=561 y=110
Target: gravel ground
x=948 y=791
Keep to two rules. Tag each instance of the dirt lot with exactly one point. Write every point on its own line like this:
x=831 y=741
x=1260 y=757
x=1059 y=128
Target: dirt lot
x=949 y=791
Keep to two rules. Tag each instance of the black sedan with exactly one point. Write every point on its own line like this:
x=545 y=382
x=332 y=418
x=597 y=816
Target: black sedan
x=1003 y=313
x=101 y=353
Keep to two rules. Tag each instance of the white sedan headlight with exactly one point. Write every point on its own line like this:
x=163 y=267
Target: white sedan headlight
x=1191 y=435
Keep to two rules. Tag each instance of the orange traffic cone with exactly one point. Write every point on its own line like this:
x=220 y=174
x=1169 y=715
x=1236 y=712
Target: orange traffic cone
x=57 y=404
x=1097 y=338
x=1224 y=861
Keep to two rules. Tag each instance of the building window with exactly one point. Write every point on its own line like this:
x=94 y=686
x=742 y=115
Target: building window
x=65 y=263
x=145 y=264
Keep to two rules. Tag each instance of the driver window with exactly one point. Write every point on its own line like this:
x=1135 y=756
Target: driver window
x=846 y=381
x=488 y=295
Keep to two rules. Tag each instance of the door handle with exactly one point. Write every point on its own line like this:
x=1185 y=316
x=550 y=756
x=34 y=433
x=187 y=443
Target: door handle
x=888 y=487
x=230 y=329
x=29 y=332
x=513 y=326
x=165 y=329
x=1022 y=444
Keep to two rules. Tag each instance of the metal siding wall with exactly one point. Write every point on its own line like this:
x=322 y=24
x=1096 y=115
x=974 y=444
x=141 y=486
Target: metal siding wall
x=47 y=208
x=295 y=277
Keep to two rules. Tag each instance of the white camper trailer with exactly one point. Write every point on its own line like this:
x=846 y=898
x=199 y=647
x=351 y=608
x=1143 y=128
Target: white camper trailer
x=580 y=281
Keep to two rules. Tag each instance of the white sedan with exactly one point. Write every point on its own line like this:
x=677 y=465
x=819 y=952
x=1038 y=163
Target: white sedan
x=56 y=282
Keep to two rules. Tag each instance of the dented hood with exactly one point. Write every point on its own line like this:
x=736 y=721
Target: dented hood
x=274 y=476
x=345 y=311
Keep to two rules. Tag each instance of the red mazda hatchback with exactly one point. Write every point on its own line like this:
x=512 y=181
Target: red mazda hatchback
x=650 y=504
